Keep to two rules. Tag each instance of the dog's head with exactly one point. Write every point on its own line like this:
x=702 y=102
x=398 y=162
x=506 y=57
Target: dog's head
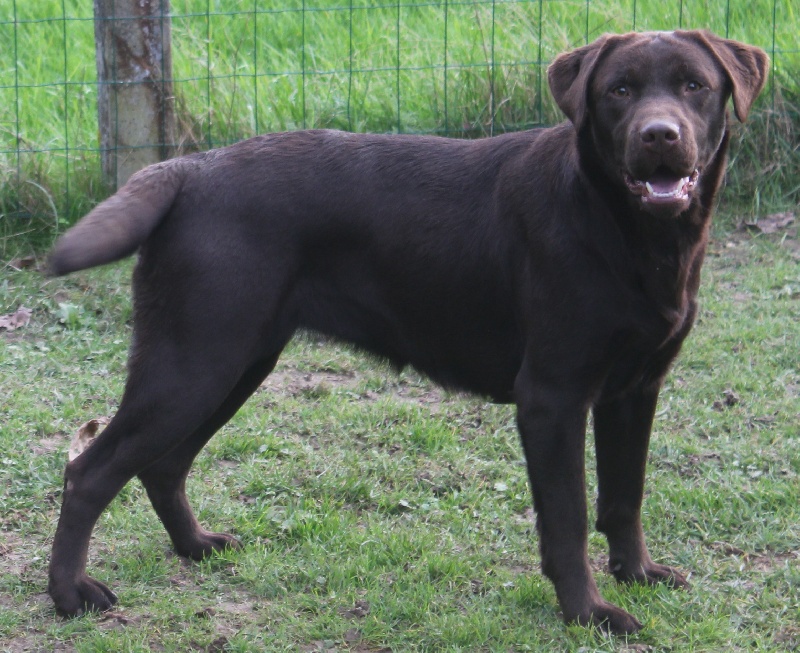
x=654 y=106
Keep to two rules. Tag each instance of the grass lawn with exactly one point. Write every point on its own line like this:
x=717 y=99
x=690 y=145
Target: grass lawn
x=379 y=513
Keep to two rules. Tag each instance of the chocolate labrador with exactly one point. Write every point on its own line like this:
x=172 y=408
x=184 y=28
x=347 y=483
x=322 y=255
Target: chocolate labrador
x=555 y=269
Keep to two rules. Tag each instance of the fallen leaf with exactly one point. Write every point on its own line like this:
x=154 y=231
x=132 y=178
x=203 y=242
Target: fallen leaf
x=16 y=320
x=23 y=263
x=85 y=435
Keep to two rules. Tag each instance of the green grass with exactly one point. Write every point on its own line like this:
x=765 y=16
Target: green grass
x=412 y=67
x=379 y=513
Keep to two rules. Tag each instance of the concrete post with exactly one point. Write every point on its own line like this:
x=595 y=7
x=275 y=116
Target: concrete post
x=135 y=103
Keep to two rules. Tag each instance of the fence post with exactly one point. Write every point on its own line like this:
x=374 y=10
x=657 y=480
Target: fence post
x=135 y=103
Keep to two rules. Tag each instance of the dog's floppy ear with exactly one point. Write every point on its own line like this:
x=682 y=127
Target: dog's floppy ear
x=745 y=65
x=569 y=76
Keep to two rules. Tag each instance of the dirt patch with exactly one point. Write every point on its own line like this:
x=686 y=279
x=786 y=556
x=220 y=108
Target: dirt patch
x=17 y=560
x=291 y=382
x=789 y=638
x=765 y=561
x=286 y=382
x=33 y=644
x=768 y=562
x=13 y=557
x=734 y=248
x=56 y=443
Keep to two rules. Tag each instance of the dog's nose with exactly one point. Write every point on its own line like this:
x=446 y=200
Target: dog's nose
x=660 y=133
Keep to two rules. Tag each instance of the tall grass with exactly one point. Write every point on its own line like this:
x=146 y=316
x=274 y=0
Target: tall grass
x=460 y=68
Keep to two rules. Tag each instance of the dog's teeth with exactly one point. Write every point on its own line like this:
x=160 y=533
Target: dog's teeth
x=648 y=187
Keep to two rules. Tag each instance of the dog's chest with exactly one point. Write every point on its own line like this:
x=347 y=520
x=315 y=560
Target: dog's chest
x=647 y=341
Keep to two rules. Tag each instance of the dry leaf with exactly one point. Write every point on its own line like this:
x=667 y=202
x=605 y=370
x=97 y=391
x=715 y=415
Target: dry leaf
x=85 y=435
x=16 y=320
x=23 y=263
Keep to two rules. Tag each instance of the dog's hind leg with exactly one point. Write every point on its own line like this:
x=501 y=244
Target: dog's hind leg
x=182 y=382
x=165 y=479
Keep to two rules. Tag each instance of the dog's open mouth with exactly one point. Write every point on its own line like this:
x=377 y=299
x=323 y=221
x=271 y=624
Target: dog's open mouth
x=663 y=187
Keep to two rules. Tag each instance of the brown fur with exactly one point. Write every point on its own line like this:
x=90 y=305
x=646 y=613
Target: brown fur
x=555 y=268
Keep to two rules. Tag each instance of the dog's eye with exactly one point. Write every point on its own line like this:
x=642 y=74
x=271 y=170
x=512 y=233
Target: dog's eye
x=620 y=91
x=693 y=86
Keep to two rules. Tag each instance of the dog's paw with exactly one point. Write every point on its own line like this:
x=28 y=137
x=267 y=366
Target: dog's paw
x=608 y=618
x=85 y=595
x=651 y=574
x=202 y=544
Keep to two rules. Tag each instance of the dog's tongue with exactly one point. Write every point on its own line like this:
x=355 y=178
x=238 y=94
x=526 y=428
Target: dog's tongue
x=665 y=184
x=663 y=187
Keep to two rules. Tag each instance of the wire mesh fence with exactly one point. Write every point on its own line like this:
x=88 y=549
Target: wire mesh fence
x=453 y=67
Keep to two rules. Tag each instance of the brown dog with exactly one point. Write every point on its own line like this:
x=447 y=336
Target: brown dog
x=555 y=268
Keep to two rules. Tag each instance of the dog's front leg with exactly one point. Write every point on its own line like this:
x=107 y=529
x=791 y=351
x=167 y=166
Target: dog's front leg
x=552 y=425
x=622 y=434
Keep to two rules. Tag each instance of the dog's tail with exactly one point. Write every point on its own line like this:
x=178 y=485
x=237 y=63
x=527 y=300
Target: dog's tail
x=116 y=228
